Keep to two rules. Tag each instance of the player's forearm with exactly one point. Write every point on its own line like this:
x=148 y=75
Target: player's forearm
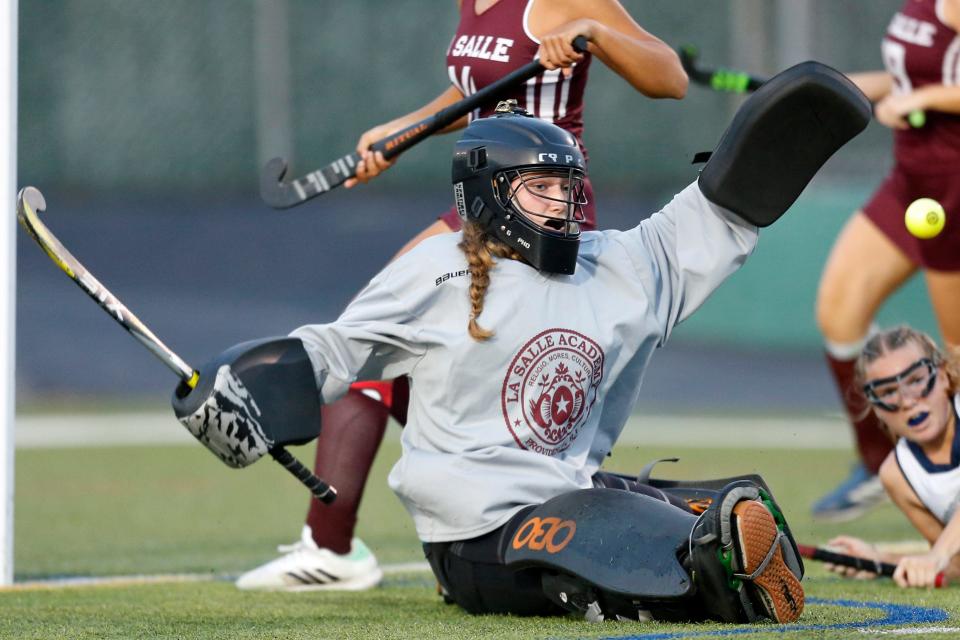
x=648 y=64
x=935 y=97
x=947 y=545
x=874 y=84
x=952 y=571
x=450 y=96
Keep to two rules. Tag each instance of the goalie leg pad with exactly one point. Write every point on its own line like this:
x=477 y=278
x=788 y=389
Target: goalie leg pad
x=780 y=138
x=621 y=548
x=254 y=396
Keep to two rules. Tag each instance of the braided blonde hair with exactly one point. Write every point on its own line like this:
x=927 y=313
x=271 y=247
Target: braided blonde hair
x=480 y=250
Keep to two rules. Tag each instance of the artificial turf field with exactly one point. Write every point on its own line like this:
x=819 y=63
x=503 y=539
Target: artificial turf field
x=128 y=510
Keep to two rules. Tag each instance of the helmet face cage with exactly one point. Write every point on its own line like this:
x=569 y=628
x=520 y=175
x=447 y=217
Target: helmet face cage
x=551 y=199
x=918 y=380
x=521 y=179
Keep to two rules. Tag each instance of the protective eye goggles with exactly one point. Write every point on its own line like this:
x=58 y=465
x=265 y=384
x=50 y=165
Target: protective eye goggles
x=551 y=199
x=917 y=381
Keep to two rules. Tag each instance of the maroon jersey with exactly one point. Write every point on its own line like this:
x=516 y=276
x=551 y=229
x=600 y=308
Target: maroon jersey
x=919 y=50
x=488 y=46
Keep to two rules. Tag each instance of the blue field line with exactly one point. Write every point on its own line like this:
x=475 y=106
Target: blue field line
x=895 y=614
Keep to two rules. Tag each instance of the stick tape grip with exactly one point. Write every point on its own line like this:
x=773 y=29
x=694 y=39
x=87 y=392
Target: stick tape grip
x=320 y=489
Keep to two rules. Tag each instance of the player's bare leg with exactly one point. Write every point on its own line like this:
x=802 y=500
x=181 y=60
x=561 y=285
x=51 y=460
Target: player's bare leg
x=328 y=556
x=944 y=290
x=863 y=270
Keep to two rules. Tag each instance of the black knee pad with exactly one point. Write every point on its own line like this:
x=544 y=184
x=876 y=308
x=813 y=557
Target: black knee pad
x=780 y=138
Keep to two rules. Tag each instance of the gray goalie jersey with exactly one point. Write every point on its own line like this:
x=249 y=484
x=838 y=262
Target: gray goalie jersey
x=529 y=414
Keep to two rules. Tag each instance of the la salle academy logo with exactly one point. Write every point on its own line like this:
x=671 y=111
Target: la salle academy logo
x=550 y=388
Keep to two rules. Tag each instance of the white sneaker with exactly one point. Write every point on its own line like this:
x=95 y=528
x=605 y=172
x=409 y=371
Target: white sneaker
x=304 y=567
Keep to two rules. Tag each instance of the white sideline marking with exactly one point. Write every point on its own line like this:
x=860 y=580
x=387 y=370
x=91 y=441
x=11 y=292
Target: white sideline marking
x=169 y=578
x=405 y=567
x=48 y=431
x=735 y=432
x=903 y=631
x=907 y=547
x=113 y=581
x=44 y=431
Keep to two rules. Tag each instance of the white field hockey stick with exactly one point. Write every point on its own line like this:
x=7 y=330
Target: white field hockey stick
x=29 y=202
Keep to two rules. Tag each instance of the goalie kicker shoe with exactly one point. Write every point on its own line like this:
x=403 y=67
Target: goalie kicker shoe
x=744 y=561
x=757 y=541
x=306 y=567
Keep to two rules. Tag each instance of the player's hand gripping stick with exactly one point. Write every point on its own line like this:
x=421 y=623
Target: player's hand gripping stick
x=730 y=81
x=242 y=431
x=860 y=564
x=281 y=194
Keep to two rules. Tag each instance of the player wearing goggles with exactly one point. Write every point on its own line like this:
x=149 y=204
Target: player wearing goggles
x=912 y=387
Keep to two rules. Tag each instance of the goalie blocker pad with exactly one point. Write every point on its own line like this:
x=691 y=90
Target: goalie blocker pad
x=251 y=398
x=780 y=138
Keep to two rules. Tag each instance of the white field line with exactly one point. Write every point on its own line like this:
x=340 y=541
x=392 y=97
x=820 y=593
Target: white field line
x=73 y=582
x=905 y=631
x=43 y=431
x=50 y=431
x=732 y=432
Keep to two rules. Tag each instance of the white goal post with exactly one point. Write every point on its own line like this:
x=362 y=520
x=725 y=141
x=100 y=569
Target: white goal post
x=8 y=267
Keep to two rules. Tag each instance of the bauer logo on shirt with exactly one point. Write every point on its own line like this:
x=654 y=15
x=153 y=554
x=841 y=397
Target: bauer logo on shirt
x=550 y=388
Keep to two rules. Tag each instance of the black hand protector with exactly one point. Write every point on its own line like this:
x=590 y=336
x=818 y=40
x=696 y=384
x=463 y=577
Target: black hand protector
x=251 y=398
x=780 y=138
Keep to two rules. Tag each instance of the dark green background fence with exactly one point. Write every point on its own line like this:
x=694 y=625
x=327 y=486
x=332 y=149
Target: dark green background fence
x=182 y=101
x=187 y=95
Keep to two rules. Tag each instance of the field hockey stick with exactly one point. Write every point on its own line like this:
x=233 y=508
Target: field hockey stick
x=730 y=81
x=29 y=202
x=281 y=194
x=724 y=80
x=860 y=564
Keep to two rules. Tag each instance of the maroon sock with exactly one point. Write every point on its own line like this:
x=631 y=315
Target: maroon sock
x=400 y=399
x=350 y=435
x=873 y=444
